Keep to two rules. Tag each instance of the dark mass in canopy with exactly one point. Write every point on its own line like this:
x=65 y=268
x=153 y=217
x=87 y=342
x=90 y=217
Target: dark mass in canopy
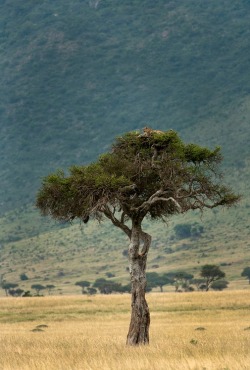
x=150 y=174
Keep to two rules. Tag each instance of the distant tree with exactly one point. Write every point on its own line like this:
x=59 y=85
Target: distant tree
x=183 y=279
x=153 y=174
x=38 y=288
x=180 y=280
x=8 y=286
x=91 y=290
x=49 y=288
x=83 y=284
x=107 y=286
x=19 y=292
x=16 y=292
x=182 y=231
x=23 y=277
x=125 y=252
x=199 y=283
x=126 y=288
x=155 y=280
x=246 y=273
x=219 y=285
x=193 y=230
x=211 y=273
x=27 y=294
x=110 y=274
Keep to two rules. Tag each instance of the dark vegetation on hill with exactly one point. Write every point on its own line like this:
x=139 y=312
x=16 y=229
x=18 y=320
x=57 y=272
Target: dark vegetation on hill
x=75 y=74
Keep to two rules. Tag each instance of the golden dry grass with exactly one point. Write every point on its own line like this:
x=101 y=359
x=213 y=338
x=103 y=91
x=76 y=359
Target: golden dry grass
x=89 y=333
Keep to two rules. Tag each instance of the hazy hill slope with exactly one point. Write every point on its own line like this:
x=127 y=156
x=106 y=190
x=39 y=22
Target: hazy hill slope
x=76 y=73
x=64 y=256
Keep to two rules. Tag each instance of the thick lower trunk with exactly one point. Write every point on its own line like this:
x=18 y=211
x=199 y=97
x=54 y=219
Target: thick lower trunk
x=140 y=317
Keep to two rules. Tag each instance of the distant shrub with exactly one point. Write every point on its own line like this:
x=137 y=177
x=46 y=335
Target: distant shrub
x=220 y=285
x=91 y=291
x=23 y=277
x=109 y=274
x=27 y=294
x=183 y=231
x=60 y=274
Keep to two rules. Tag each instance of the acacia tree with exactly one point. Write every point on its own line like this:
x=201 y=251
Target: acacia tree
x=38 y=288
x=246 y=273
x=155 y=280
x=8 y=286
x=83 y=284
x=152 y=174
x=211 y=273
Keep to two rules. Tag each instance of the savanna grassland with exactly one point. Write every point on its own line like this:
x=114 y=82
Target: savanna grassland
x=188 y=331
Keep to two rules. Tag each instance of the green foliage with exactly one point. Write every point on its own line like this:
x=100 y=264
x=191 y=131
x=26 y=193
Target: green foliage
x=219 y=285
x=68 y=197
x=27 y=294
x=50 y=287
x=38 y=288
x=181 y=280
x=194 y=153
x=183 y=231
x=8 y=286
x=155 y=280
x=91 y=290
x=211 y=273
x=24 y=277
x=246 y=273
x=16 y=292
x=83 y=284
x=110 y=274
x=146 y=174
x=108 y=286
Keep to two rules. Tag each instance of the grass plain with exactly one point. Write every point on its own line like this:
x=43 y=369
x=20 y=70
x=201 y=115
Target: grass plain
x=198 y=331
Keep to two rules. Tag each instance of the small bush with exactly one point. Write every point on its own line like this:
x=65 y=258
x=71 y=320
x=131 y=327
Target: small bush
x=23 y=277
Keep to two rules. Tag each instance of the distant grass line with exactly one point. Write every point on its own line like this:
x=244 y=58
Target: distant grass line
x=89 y=333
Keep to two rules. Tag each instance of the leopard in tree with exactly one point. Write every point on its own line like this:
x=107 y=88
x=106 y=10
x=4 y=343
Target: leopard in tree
x=147 y=131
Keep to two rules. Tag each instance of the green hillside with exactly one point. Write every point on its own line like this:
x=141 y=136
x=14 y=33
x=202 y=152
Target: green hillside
x=62 y=256
x=75 y=74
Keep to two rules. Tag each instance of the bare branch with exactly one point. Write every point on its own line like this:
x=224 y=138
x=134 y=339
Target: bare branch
x=157 y=199
x=119 y=223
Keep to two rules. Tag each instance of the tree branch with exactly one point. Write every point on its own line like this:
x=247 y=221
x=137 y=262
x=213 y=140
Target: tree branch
x=156 y=197
x=119 y=223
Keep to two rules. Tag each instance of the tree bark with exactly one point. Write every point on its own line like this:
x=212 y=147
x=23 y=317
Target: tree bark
x=140 y=316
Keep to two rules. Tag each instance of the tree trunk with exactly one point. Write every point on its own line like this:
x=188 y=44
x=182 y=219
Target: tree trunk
x=140 y=317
